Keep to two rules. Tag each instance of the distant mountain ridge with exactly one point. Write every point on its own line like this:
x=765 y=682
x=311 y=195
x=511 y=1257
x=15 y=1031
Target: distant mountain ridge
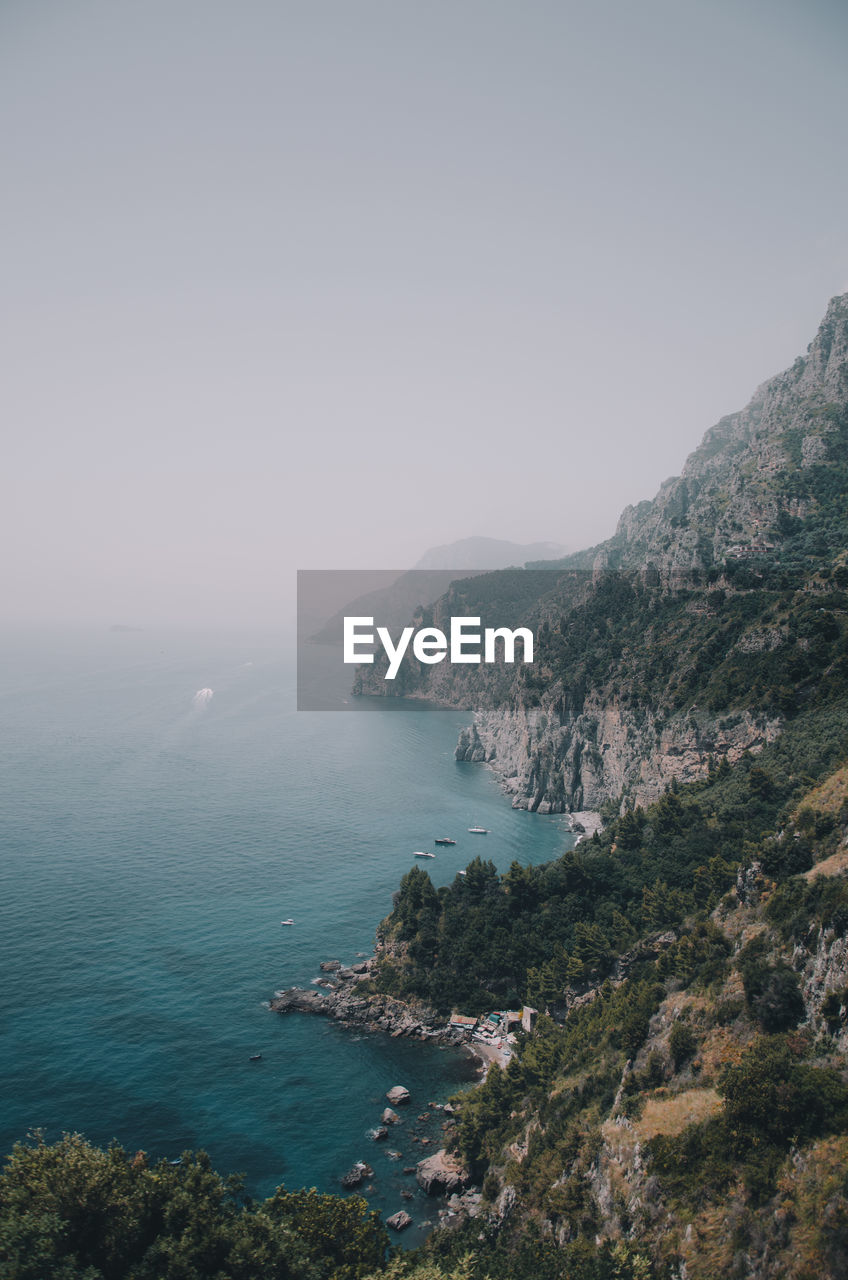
x=402 y=595
x=488 y=553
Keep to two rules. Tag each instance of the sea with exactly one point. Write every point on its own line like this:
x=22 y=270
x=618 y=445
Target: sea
x=152 y=839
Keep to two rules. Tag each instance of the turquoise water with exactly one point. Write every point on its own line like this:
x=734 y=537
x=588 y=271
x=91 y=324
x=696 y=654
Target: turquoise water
x=149 y=849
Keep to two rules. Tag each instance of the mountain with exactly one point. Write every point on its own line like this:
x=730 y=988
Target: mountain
x=679 y=1110
x=487 y=553
x=697 y=631
x=393 y=596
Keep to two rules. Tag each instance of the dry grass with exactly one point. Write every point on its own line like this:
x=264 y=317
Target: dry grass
x=708 y=1249
x=671 y=1114
x=663 y=1113
x=810 y=1197
x=832 y=866
x=828 y=797
x=680 y=1002
x=723 y=1045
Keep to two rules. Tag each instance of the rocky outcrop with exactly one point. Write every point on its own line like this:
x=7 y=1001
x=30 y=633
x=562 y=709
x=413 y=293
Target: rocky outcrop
x=399 y=1221
x=822 y=966
x=726 y=497
x=583 y=993
x=357 y=1175
x=398 y=1096
x=345 y=1004
x=442 y=1174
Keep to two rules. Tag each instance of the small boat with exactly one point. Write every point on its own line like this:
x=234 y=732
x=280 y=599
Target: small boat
x=254 y=1057
x=423 y=855
x=287 y=922
x=460 y=873
x=479 y=831
x=444 y=840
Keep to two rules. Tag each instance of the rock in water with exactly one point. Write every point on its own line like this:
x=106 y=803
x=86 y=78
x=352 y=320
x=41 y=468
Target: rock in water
x=398 y=1096
x=389 y=1116
x=399 y=1221
x=357 y=1174
x=441 y=1173
x=378 y=1135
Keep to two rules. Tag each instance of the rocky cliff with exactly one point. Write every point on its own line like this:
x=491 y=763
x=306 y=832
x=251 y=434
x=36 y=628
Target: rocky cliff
x=732 y=492
x=551 y=766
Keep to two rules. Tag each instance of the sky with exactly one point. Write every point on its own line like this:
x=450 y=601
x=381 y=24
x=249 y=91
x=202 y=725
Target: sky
x=289 y=285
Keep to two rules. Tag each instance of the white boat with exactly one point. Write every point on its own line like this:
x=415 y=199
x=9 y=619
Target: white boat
x=287 y=922
x=479 y=831
x=423 y=855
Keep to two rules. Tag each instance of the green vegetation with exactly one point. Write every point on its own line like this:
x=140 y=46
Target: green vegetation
x=490 y=941
x=656 y=1017
x=71 y=1211
x=772 y=1100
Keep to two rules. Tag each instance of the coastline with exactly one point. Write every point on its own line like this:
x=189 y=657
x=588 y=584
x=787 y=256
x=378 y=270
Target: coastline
x=486 y=1055
x=438 y=1171
x=585 y=822
x=335 y=995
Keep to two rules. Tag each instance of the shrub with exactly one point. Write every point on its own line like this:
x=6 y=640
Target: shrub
x=682 y=1044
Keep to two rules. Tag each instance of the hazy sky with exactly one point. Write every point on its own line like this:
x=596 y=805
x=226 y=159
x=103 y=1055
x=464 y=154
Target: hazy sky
x=322 y=284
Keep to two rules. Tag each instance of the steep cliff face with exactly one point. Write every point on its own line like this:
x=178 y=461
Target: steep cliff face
x=730 y=492
x=551 y=766
x=712 y=650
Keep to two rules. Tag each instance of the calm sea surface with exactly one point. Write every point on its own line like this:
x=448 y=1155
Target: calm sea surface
x=150 y=845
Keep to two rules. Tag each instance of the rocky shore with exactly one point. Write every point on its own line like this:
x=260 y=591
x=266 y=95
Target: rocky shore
x=338 y=994
x=339 y=997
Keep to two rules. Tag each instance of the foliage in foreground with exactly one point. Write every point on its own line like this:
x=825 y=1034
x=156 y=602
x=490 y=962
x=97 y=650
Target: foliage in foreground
x=72 y=1211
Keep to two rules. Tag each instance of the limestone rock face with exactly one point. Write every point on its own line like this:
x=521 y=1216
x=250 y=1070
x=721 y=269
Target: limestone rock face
x=552 y=765
x=726 y=495
x=442 y=1174
x=822 y=966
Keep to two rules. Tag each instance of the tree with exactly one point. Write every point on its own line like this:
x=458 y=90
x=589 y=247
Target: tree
x=72 y=1211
